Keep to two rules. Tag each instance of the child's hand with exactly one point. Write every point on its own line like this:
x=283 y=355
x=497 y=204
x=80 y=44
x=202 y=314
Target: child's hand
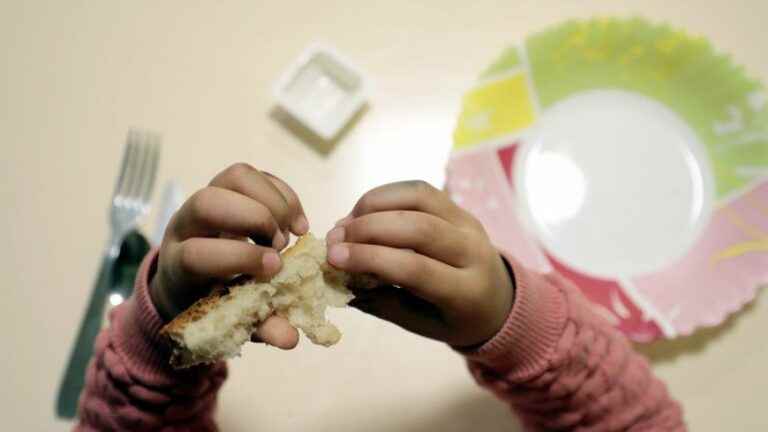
x=204 y=243
x=454 y=284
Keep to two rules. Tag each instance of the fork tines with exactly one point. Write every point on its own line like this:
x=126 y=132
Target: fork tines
x=138 y=169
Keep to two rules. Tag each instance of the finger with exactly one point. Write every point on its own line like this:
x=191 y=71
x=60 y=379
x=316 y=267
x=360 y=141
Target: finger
x=276 y=331
x=199 y=260
x=410 y=195
x=423 y=276
x=400 y=307
x=300 y=224
x=249 y=181
x=422 y=232
x=212 y=211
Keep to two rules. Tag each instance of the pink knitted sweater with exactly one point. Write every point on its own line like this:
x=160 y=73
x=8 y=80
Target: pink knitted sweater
x=558 y=365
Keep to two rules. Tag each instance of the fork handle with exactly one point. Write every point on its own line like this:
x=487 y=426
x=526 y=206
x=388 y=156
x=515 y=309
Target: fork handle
x=74 y=377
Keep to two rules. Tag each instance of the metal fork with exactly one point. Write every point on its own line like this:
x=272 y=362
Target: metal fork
x=134 y=186
x=130 y=201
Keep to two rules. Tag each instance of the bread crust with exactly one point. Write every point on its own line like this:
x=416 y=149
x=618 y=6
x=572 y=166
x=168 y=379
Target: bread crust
x=173 y=332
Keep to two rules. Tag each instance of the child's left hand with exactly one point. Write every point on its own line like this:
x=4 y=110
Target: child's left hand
x=452 y=284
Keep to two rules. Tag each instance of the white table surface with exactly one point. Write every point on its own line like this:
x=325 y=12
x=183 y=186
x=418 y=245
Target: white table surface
x=75 y=75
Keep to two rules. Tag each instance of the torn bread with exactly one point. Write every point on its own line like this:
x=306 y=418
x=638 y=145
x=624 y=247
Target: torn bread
x=216 y=326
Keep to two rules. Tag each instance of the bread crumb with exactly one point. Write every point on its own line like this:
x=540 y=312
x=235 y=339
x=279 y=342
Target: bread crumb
x=217 y=326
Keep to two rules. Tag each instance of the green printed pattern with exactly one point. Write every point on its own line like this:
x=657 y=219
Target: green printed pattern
x=728 y=111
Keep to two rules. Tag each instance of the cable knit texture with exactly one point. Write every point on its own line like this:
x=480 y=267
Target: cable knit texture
x=560 y=366
x=557 y=364
x=129 y=384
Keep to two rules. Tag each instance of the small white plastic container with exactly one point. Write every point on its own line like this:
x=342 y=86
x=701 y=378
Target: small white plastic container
x=322 y=90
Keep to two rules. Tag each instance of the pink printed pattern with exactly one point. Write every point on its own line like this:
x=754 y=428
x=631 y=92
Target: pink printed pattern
x=719 y=275
x=723 y=270
x=482 y=182
x=477 y=183
x=612 y=303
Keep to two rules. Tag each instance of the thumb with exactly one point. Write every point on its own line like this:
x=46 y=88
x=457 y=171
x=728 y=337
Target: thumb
x=276 y=331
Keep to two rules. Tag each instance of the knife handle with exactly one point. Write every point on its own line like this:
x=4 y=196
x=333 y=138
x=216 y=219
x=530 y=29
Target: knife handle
x=74 y=377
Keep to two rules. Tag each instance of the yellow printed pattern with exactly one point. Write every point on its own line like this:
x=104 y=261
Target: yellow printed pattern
x=758 y=240
x=493 y=110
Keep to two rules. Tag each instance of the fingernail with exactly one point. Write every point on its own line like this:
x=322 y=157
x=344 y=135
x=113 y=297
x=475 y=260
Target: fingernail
x=279 y=241
x=270 y=262
x=334 y=236
x=338 y=254
x=301 y=225
x=343 y=221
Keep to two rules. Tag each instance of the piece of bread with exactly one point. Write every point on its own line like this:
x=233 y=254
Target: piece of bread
x=216 y=326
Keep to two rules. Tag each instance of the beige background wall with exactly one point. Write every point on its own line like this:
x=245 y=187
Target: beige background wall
x=75 y=75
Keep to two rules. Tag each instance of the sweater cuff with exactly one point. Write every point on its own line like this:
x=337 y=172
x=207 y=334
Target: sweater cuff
x=136 y=325
x=527 y=339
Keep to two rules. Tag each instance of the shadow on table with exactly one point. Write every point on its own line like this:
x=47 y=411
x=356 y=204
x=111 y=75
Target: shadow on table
x=310 y=138
x=663 y=351
x=473 y=412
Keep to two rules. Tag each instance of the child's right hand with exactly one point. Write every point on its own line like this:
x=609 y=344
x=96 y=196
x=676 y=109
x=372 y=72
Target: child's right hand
x=202 y=245
x=448 y=281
